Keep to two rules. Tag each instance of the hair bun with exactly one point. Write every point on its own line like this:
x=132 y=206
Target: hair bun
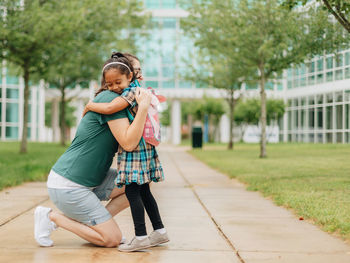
x=117 y=55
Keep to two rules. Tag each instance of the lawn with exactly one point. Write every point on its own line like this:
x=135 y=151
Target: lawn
x=17 y=168
x=311 y=179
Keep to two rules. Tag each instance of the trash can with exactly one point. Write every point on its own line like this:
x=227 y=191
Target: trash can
x=197 y=137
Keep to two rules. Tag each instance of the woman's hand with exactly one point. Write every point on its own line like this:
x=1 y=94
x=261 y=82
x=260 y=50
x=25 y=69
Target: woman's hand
x=143 y=97
x=86 y=109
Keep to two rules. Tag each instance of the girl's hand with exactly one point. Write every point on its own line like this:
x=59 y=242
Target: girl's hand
x=86 y=109
x=143 y=97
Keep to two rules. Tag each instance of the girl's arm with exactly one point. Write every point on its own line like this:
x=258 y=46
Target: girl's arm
x=129 y=135
x=114 y=106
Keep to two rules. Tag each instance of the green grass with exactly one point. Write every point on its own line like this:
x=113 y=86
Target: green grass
x=17 y=168
x=311 y=179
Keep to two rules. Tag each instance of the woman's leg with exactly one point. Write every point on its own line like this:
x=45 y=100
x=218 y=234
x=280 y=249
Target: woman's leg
x=132 y=192
x=151 y=206
x=106 y=234
x=118 y=201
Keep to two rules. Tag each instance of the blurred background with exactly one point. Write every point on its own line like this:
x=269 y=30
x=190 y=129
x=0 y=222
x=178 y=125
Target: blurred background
x=55 y=50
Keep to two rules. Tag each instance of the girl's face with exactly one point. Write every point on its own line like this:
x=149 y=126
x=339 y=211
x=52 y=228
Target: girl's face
x=115 y=81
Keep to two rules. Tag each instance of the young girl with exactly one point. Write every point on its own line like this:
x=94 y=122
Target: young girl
x=136 y=170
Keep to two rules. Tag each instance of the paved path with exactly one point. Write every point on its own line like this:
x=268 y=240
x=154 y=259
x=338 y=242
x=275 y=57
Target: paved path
x=209 y=217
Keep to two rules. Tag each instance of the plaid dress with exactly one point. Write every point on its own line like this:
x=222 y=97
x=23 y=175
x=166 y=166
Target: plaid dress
x=142 y=165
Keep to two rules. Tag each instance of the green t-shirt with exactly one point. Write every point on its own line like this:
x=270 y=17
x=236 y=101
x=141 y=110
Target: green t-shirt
x=91 y=153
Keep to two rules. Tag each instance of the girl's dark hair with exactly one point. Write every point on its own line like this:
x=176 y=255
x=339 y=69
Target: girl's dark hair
x=116 y=57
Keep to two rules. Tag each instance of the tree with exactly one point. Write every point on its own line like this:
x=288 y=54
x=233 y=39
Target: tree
x=209 y=25
x=63 y=41
x=76 y=60
x=340 y=9
x=26 y=42
x=248 y=112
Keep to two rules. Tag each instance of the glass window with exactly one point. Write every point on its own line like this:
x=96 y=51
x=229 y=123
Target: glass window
x=152 y=84
x=289 y=84
x=311 y=67
x=319 y=99
x=152 y=4
x=347 y=112
x=339 y=137
x=339 y=74
x=319 y=78
x=12 y=112
x=320 y=64
x=329 y=76
x=11 y=132
x=290 y=73
x=168 y=84
x=329 y=117
x=151 y=71
x=12 y=93
x=311 y=118
x=169 y=23
x=185 y=84
x=347 y=58
x=311 y=80
x=329 y=98
x=168 y=72
x=279 y=85
x=303 y=81
x=347 y=73
x=329 y=62
x=329 y=137
x=0 y=113
x=269 y=85
x=169 y=4
x=339 y=59
x=289 y=120
x=12 y=80
x=339 y=97
x=320 y=117
x=311 y=100
x=339 y=116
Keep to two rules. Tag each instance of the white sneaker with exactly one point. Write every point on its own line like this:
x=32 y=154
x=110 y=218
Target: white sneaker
x=156 y=238
x=43 y=226
x=135 y=245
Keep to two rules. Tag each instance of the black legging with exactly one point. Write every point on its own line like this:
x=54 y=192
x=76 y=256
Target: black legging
x=140 y=197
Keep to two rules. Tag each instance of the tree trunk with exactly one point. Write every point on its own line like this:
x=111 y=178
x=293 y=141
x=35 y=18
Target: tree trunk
x=23 y=147
x=63 y=114
x=232 y=108
x=263 y=113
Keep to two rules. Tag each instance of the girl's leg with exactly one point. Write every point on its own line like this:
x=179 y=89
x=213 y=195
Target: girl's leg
x=106 y=234
x=151 y=206
x=132 y=192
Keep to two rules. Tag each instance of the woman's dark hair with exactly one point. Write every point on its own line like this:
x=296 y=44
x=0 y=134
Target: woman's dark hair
x=116 y=57
x=130 y=57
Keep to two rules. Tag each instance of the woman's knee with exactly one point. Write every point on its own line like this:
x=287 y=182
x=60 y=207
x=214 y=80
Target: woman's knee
x=110 y=233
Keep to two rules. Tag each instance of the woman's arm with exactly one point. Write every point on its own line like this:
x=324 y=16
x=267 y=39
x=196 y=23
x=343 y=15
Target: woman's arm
x=129 y=135
x=114 y=106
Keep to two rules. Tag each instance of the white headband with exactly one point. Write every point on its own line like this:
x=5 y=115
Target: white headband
x=112 y=63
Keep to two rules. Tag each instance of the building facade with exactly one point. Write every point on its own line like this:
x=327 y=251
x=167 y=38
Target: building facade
x=11 y=107
x=317 y=95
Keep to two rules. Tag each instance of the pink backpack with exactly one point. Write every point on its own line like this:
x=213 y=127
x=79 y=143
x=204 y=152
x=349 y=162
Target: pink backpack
x=151 y=131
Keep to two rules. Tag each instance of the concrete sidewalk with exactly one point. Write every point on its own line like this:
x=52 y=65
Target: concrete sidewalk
x=209 y=217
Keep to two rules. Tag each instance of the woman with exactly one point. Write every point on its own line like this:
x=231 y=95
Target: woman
x=81 y=178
